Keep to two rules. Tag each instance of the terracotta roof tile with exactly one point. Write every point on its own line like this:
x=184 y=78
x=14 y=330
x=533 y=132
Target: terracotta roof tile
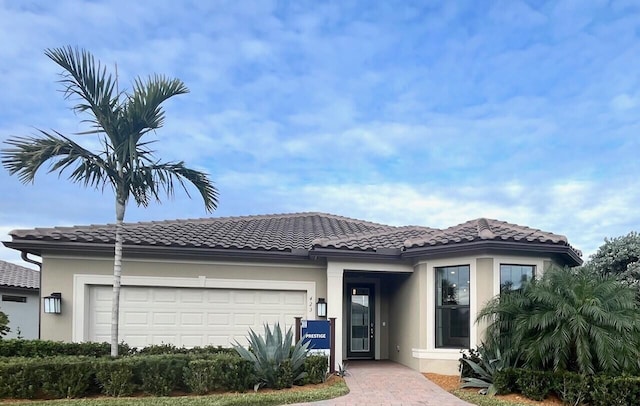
x=17 y=276
x=287 y=232
x=486 y=229
x=265 y=232
x=391 y=237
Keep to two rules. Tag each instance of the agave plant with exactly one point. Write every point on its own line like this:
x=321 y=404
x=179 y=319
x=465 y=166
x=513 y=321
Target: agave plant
x=276 y=363
x=490 y=362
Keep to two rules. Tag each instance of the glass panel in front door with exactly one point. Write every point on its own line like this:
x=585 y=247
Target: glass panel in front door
x=360 y=319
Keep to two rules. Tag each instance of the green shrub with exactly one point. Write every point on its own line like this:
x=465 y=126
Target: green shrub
x=316 y=367
x=198 y=376
x=504 y=381
x=284 y=378
x=116 y=377
x=160 y=374
x=535 y=385
x=66 y=377
x=19 y=378
x=219 y=372
x=44 y=348
x=572 y=388
x=268 y=353
x=618 y=390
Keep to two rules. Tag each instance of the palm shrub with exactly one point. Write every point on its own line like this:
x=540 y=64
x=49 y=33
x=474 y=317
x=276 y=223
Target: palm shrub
x=568 y=320
x=277 y=362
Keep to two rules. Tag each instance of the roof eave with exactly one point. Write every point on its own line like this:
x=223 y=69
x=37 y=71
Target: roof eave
x=39 y=247
x=344 y=253
x=569 y=254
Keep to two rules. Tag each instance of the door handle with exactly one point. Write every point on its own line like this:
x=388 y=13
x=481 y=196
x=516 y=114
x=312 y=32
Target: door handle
x=371 y=331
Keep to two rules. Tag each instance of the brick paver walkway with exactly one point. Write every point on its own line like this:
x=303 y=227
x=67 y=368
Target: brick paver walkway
x=389 y=383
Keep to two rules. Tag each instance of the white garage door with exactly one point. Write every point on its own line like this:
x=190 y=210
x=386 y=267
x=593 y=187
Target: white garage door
x=191 y=316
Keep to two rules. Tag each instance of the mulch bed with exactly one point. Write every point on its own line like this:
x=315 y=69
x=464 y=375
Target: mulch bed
x=452 y=382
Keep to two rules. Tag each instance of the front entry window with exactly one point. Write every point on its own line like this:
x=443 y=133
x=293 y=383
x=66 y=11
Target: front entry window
x=452 y=306
x=360 y=340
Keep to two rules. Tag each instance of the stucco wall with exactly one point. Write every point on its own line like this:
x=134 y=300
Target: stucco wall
x=23 y=317
x=407 y=315
x=57 y=276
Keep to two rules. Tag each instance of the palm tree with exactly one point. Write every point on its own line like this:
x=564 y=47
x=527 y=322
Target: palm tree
x=568 y=320
x=125 y=162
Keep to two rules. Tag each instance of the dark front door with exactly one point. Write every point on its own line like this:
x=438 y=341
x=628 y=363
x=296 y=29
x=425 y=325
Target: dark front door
x=361 y=320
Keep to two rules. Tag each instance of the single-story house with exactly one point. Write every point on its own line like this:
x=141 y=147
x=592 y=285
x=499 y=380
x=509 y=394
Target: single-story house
x=20 y=299
x=408 y=294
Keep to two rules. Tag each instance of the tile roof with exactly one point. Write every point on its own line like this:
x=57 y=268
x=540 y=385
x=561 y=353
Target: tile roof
x=485 y=229
x=278 y=232
x=296 y=231
x=391 y=237
x=18 y=276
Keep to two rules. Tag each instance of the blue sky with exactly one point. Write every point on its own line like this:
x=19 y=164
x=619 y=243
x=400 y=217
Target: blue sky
x=429 y=113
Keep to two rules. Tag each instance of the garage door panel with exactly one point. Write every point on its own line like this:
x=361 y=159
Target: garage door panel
x=191 y=316
x=164 y=295
x=216 y=319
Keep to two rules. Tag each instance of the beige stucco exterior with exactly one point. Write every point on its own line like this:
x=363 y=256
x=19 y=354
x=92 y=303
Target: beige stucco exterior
x=404 y=291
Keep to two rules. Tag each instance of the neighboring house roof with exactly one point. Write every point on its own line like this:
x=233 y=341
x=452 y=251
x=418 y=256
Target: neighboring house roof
x=16 y=276
x=297 y=234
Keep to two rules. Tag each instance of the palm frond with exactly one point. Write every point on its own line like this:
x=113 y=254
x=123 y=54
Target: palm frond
x=26 y=155
x=86 y=79
x=148 y=181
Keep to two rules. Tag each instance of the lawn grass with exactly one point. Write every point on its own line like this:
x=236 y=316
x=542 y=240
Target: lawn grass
x=483 y=400
x=335 y=389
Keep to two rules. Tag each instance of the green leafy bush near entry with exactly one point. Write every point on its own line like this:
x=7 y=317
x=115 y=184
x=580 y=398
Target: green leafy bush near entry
x=116 y=377
x=535 y=385
x=316 y=367
x=612 y=391
x=223 y=372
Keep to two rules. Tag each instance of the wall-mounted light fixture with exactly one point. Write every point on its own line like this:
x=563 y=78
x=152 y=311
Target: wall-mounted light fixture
x=321 y=307
x=52 y=303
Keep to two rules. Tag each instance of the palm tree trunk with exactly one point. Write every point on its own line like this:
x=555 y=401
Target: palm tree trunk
x=117 y=271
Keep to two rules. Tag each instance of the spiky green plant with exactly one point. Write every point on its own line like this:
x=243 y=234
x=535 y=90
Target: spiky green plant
x=274 y=356
x=491 y=361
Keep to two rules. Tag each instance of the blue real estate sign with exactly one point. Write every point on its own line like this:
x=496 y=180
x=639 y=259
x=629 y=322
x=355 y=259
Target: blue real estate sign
x=318 y=334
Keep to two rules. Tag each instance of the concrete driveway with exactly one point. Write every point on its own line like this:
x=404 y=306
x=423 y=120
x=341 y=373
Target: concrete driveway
x=389 y=383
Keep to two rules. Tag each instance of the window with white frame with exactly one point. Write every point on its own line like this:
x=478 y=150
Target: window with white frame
x=514 y=277
x=453 y=292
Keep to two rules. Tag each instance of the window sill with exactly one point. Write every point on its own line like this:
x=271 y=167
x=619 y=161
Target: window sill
x=437 y=353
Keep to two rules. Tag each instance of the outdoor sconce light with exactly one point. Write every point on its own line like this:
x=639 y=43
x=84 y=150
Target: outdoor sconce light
x=321 y=307
x=52 y=303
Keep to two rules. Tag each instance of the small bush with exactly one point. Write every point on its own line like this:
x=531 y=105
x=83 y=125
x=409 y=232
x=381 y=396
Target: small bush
x=219 y=372
x=284 y=377
x=116 y=377
x=535 y=385
x=19 y=378
x=572 y=388
x=160 y=374
x=316 y=367
x=613 y=391
x=504 y=381
x=66 y=377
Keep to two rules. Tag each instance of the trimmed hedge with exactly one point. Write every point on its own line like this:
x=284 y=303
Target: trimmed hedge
x=570 y=387
x=43 y=348
x=316 y=367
